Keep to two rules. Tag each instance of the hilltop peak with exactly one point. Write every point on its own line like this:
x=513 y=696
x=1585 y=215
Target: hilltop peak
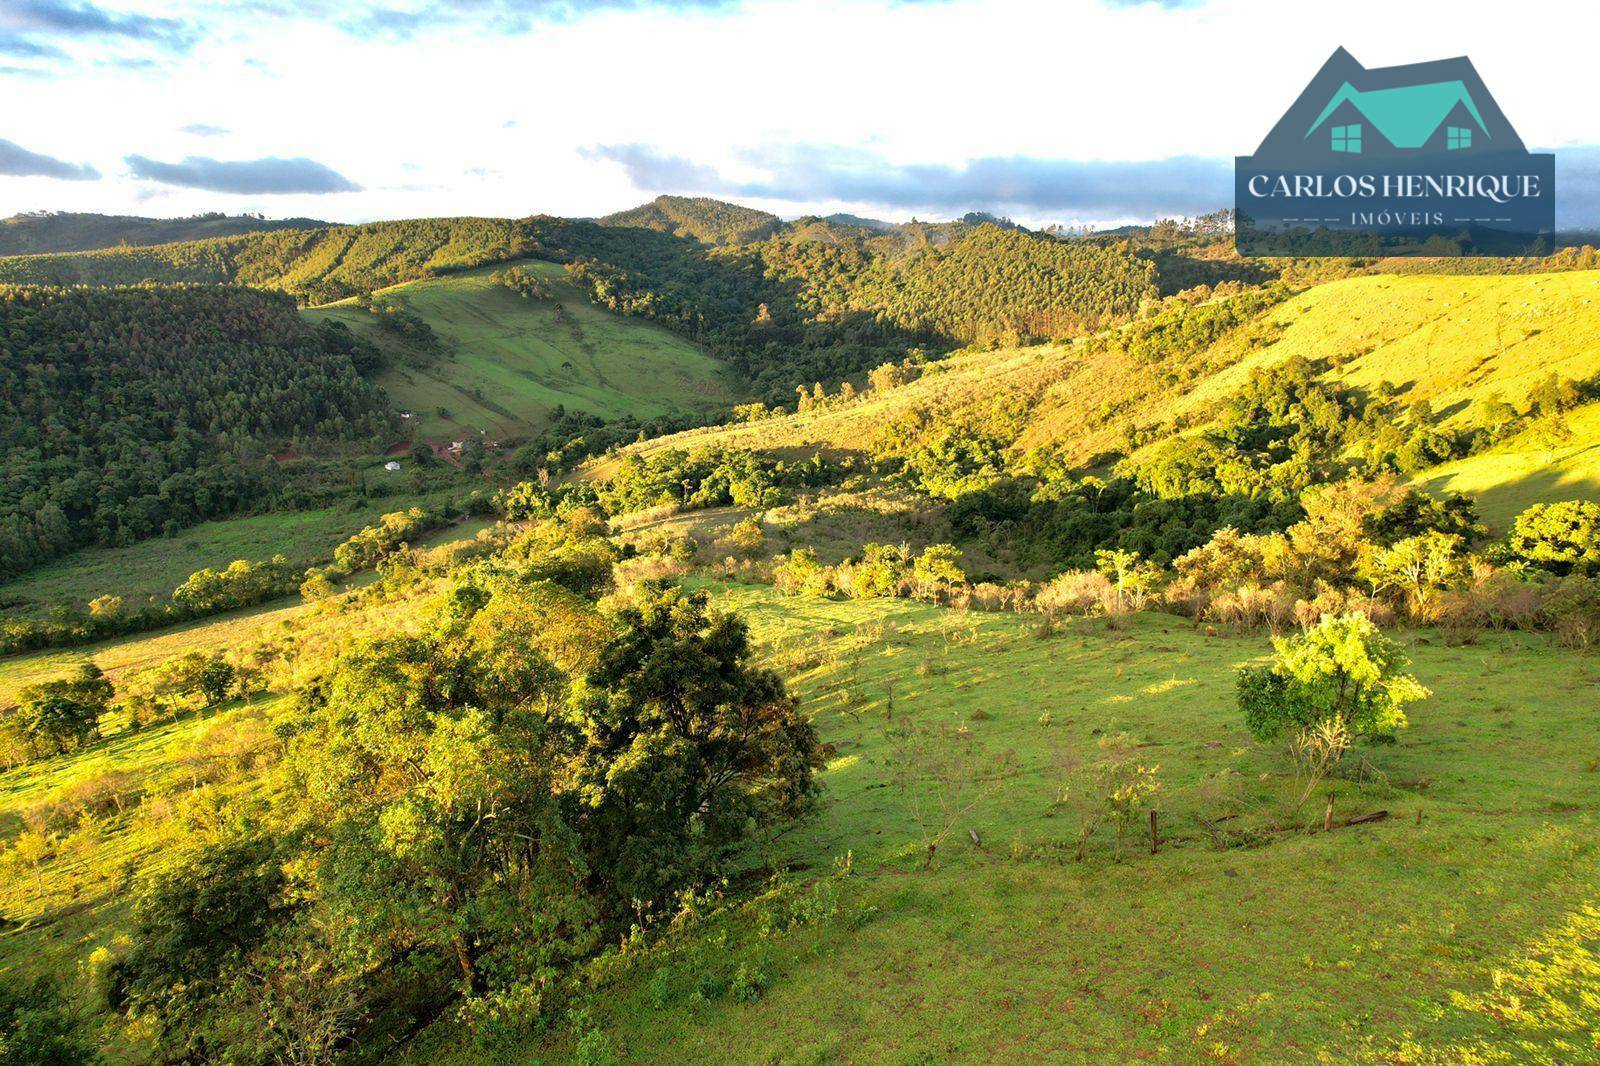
x=702 y=218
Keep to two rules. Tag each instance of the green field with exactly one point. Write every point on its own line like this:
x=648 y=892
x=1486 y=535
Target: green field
x=1525 y=471
x=509 y=360
x=151 y=569
x=1235 y=943
x=1239 y=941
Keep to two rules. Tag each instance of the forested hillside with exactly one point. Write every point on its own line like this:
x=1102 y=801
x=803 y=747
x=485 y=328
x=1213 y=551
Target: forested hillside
x=315 y=265
x=785 y=310
x=705 y=220
x=126 y=412
x=69 y=231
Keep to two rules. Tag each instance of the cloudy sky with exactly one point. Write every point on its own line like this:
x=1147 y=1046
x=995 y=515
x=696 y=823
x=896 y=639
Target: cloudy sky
x=1066 y=111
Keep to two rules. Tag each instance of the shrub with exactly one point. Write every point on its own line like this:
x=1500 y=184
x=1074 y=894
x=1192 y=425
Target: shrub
x=197 y=919
x=36 y=1027
x=1254 y=605
x=1342 y=668
x=1421 y=567
x=1562 y=537
x=1075 y=592
x=1573 y=611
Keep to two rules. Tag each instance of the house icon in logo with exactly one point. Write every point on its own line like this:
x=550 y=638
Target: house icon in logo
x=1433 y=116
x=1408 y=160
x=1420 y=109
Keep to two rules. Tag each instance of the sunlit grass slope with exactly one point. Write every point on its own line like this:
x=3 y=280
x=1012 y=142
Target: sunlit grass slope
x=1450 y=340
x=1393 y=941
x=1454 y=341
x=1059 y=394
x=508 y=361
x=1527 y=470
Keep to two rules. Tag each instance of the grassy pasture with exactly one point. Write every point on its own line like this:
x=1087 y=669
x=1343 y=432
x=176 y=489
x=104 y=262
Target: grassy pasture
x=151 y=569
x=1472 y=935
x=1450 y=340
x=1524 y=471
x=509 y=361
x=1240 y=941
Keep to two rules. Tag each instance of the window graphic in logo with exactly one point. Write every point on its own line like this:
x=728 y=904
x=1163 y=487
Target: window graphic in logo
x=1412 y=160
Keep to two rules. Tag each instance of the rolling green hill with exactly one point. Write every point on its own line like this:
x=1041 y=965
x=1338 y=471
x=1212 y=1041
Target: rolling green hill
x=314 y=265
x=1453 y=341
x=705 y=220
x=507 y=361
x=68 y=231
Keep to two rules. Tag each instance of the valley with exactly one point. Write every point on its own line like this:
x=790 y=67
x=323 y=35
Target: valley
x=829 y=641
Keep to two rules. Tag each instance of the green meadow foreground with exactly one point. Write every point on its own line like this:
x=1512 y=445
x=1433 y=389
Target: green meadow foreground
x=1468 y=935
x=1472 y=935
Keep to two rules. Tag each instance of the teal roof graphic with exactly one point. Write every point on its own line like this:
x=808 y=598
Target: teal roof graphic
x=1441 y=106
x=1406 y=115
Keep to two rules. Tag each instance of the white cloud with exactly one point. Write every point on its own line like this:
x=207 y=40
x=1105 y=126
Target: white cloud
x=498 y=111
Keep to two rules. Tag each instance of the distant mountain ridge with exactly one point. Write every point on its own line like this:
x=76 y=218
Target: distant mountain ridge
x=69 y=231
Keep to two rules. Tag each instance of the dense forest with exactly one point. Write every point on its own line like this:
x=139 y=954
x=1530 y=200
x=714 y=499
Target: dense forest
x=70 y=231
x=127 y=412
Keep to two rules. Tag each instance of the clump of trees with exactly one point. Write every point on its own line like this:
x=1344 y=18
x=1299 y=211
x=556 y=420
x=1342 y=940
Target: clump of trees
x=677 y=479
x=471 y=812
x=399 y=321
x=383 y=538
x=525 y=282
x=881 y=570
x=55 y=716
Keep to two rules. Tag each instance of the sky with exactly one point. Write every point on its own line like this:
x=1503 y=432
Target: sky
x=1074 y=112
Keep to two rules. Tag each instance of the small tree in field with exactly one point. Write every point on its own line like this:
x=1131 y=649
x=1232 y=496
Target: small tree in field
x=1421 y=567
x=1342 y=669
x=1125 y=783
x=942 y=774
x=1135 y=579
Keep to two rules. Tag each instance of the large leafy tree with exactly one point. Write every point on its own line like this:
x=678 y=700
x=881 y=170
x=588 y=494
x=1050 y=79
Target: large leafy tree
x=493 y=792
x=681 y=747
x=1559 y=537
x=426 y=773
x=64 y=714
